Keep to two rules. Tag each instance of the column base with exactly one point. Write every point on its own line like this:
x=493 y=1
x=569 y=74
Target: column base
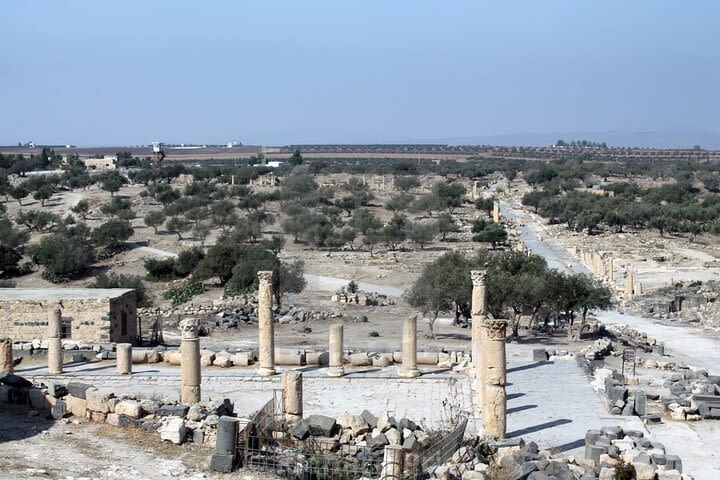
x=336 y=372
x=190 y=394
x=55 y=372
x=409 y=373
x=267 y=371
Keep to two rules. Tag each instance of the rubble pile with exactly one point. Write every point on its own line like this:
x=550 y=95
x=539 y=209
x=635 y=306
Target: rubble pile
x=694 y=395
x=234 y=317
x=175 y=422
x=365 y=299
x=695 y=303
x=364 y=430
x=609 y=452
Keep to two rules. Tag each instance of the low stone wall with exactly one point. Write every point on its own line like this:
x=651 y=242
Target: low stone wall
x=173 y=421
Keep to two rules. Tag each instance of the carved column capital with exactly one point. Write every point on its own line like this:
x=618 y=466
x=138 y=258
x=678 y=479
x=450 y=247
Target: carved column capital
x=478 y=277
x=189 y=328
x=495 y=329
x=265 y=276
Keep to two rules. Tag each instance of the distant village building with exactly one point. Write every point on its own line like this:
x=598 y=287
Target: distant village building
x=108 y=162
x=91 y=315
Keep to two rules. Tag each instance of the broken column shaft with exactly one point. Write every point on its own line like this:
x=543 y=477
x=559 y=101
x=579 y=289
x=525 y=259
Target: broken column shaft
x=408 y=368
x=265 y=325
x=189 y=361
x=292 y=397
x=494 y=396
x=478 y=309
x=124 y=358
x=335 y=345
x=6 y=356
x=55 y=353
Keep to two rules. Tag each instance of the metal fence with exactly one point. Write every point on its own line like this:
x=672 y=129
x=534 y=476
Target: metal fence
x=265 y=444
x=439 y=452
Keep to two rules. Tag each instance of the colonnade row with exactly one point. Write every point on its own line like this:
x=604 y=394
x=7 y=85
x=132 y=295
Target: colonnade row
x=488 y=354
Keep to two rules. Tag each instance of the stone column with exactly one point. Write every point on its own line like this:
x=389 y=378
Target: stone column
x=55 y=353
x=496 y=211
x=335 y=345
x=392 y=465
x=266 y=328
x=223 y=459
x=6 y=356
x=474 y=191
x=495 y=398
x=189 y=361
x=478 y=308
x=124 y=358
x=409 y=369
x=639 y=288
x=291 y=383
x=629 y=283
x=611 y=270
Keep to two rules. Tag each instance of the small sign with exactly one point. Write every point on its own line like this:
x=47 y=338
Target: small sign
x=628 y=356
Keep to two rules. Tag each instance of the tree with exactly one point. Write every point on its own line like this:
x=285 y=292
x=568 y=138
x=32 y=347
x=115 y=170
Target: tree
x=187 y=260
x=420 y=233
x=154 y=219
x=407 y=183
x=112 y=182
x=81 y=208
x=201 y=232
x=43 y=194
x=12 y=242
x=363 y=220
x=178 y=225
x=444 y=225
x=486 y=204
x=399 y=202
x=449 y=194
x=443 y=285
x=296 y=158
x=112 y=234
x=393 y=233
x=18 y=193
x=427 y=203
x=62 y=257
x=488 y=232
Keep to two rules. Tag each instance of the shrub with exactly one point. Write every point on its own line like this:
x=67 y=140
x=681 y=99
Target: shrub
x=180 y=295
x=7 y=284
x=187 y=260
x=160 y=269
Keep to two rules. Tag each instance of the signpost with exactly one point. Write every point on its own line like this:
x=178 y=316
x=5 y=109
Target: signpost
x=628 y=356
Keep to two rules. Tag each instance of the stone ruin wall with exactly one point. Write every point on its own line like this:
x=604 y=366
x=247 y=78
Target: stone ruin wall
x=91 y=320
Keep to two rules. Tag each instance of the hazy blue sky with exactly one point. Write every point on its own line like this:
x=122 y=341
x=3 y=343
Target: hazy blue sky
x=129 y=72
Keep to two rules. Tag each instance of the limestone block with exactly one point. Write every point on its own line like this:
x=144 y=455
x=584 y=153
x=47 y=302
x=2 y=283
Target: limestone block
x=242 y=359
x=173 y=358
x=427 y=358
x=77 y=407
x=381 y=362
x=97 y=401
x=393 y=436
x=644 y=471
x=207 y=360
x=139 y=356
x=669 y=475
x=607 y=473
x=360 y=360
x=131 y=408
x=173 y=430
x=98 y=417
x=444 y=360
x=154 y=356
x=222 y=361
